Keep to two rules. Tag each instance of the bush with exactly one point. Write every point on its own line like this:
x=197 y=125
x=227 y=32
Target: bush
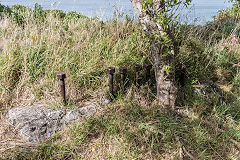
x=56 y=13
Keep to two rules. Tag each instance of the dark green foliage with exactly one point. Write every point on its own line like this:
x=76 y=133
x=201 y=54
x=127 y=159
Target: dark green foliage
x=75 y=16
x=56 y=13
x=20 y=9
x=38 y=13
x=5 y=10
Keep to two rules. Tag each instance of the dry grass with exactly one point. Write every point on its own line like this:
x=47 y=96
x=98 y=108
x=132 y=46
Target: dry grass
x=133 y=126
x=81 y=47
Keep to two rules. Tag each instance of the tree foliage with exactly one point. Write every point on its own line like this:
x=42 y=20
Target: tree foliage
x=164 y=11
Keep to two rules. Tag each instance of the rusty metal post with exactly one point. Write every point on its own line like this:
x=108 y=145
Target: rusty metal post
x=111 y=72
x=148 y=68
x=137 y=68
x=123 y=71
x=182 y=76
x=61 y=76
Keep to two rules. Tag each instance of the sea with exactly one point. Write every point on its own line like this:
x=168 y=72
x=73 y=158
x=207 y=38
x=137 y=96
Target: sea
x=200 y=11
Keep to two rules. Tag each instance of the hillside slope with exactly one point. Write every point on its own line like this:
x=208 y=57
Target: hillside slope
x=35 y=44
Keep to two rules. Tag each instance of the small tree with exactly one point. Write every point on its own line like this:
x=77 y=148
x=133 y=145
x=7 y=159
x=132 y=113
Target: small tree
x=156 y=17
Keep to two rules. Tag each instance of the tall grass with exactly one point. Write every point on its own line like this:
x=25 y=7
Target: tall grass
x=35 y=44
x=45 y=42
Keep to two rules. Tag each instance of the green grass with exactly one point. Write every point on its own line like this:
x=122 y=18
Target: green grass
x=36 y=44
x=135 y=132
x=80 y=46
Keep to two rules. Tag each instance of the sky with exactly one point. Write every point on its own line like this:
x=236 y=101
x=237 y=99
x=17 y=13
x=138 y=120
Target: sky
x=202 y=9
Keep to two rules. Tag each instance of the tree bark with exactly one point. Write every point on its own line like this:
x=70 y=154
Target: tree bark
x=166 y=85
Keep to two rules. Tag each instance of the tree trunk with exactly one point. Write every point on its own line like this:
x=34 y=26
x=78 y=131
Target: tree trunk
x=166 y=86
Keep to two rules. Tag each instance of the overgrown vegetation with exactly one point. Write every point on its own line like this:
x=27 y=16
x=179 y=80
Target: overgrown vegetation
x=37 y=43
x=48 y=41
